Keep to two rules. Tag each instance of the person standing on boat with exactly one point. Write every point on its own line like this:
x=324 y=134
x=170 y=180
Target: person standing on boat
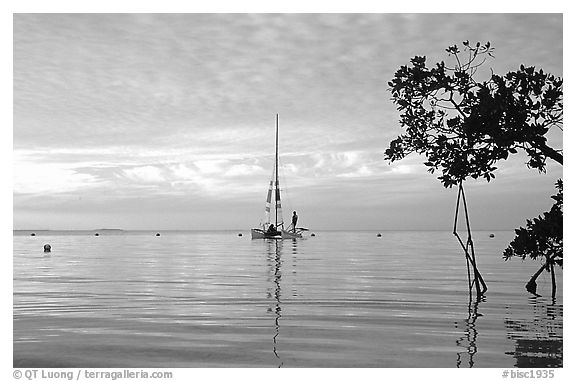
x=294 y=221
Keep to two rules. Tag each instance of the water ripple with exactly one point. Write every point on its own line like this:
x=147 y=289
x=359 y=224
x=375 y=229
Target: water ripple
x=216 y=300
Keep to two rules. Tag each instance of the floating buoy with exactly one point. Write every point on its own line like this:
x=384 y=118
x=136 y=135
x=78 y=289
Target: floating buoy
x=157 y=234
x=239 y=234
x=33 y=234
x=312 y=235
x=378 y=235
x=47 y=248
x=96 y=234
x=491 y=235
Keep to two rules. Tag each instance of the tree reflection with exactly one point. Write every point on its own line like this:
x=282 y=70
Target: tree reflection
x=538 y=340
x=468 y=340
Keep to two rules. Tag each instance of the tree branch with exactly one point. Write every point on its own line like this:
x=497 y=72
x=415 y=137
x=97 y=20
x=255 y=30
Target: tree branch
x=549 y=152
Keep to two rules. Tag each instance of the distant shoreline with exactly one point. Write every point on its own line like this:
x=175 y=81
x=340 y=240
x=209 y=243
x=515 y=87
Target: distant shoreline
x=245 y=230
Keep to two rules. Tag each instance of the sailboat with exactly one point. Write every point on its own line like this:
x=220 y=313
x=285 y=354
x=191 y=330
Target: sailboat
x=273 y=225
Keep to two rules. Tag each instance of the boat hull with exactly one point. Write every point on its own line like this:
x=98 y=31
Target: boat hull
x=261 y=234
x=290 y=235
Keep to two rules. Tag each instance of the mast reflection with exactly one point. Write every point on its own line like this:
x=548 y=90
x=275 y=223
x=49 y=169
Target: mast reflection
x=275 y=264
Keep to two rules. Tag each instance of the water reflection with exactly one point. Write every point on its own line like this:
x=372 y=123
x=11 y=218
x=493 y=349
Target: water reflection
x=347 y=300
x=538 y=338
x=275 y=264
x=294 y=244
x=468 y=340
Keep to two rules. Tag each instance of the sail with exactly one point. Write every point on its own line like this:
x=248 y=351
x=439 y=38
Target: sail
x=279 y=220
x=268 y=203
x=273 y=191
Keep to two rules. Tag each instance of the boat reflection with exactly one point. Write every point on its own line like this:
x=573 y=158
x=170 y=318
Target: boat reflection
x=538 y=340
x=275 y=263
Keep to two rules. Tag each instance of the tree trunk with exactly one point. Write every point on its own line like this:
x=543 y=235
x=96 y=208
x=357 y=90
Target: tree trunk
x=553 y=276
x=531 y=285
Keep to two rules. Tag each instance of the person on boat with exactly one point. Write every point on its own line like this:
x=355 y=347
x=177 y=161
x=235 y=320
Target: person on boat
x=294 y=221
x=272 y=229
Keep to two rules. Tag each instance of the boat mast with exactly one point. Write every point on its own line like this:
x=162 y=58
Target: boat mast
x=276 y=170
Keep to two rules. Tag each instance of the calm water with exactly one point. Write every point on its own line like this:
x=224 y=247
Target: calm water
x=340 y=299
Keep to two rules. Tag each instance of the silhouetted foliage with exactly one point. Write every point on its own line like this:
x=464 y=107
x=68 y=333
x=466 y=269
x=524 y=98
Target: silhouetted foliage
x=542 y=236
x=463 y=126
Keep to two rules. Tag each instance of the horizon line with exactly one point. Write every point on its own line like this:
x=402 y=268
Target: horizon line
x=241 y=230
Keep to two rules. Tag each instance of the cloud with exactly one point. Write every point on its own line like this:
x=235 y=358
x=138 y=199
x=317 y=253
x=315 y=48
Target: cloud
x=362 y=171
x=244 y=170
x=162 y=107
x=402 y=169
x=146 y=173
x=210 y=167
x=45 y=178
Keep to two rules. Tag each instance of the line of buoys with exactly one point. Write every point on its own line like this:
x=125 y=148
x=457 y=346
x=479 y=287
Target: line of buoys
x=47 y=248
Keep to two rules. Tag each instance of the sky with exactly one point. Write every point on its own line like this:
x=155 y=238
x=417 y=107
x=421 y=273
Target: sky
x=167 y=121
